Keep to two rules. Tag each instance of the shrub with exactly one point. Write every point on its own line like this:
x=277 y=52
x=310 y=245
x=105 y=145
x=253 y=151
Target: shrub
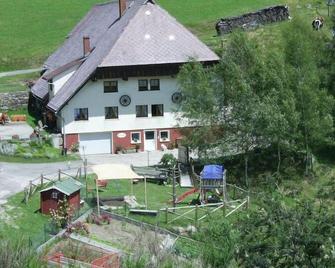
x=63 y=215
x=15 y=137
x=78 y=228
x=99 y=220
x=74 y=147
x=7 y=148
x=168 y=160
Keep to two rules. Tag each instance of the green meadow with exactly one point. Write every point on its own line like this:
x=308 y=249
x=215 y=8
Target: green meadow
x=32 y=30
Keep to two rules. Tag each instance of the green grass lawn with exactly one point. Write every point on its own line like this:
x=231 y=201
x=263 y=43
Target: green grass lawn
x=19 y=220
x=31 y=30
x=16 y=83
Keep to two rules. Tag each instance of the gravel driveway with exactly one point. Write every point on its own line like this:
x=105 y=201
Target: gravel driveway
x=15 y=176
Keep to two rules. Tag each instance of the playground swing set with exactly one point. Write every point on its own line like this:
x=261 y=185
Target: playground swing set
x=212 y=180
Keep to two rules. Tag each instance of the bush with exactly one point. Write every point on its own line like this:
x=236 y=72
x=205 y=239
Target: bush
x=7 y=148
x=74 y=148
x=168 y=161
x=98 y=220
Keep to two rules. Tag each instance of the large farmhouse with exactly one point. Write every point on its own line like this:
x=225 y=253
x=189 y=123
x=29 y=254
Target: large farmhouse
x=112 y=84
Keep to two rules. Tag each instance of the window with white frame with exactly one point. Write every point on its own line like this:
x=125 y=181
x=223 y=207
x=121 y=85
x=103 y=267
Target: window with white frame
x=154 y=84
x=164 y=135
x=135 y=137
x=54 y=195
x=143 y=85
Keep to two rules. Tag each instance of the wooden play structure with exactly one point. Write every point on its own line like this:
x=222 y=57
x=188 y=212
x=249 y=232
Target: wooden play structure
x=212 y=179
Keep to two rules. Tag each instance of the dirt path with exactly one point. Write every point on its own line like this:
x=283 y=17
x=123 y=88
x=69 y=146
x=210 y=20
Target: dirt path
x=17 y=72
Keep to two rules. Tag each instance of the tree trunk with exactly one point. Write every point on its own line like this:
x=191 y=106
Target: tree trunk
x=279 y=157
x=246 y=169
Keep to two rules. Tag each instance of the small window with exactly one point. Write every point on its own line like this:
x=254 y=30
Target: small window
x=164 y=135
x=143 y=85
x=135 y=137
x=157 y=110
x=80 y=114
x=112 y=112
x=154 y=84
x=54 y=195
x=110 y=86
x=141 y=110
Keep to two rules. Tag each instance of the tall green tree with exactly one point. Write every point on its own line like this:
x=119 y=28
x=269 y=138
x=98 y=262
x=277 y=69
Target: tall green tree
x=303 y=54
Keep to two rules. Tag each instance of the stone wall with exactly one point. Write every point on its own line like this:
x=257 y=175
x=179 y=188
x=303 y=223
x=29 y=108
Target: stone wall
x=252 y=20
x=13 y=100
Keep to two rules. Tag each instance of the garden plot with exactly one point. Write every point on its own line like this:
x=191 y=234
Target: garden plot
x=127 y=237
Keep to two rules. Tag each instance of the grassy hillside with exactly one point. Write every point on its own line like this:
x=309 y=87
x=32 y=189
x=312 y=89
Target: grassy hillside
x=31 y=30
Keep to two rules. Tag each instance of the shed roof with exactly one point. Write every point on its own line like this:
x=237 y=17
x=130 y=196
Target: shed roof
x=67 y=186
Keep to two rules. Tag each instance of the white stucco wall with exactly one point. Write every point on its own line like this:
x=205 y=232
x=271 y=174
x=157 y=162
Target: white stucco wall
x=92 y=96
x=59 y=80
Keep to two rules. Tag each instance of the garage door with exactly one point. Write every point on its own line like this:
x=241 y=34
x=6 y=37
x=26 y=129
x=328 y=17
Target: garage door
x=95 y=143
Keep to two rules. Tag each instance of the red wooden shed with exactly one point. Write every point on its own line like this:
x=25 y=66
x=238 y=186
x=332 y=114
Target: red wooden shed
x=68 y=188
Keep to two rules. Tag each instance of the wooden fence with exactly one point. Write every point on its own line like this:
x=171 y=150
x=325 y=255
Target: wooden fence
x=200 y=212
x=43 y=180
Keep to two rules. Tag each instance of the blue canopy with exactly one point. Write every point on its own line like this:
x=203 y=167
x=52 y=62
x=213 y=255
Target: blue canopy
x=212 y=172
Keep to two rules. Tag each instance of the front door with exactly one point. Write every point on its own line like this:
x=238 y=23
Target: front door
x=149 y=140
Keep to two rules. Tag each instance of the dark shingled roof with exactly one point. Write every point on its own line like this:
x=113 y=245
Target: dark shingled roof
x=79 y=78
x=94 y=25
x=40 y=89
x=155 y=37
x=144 y=35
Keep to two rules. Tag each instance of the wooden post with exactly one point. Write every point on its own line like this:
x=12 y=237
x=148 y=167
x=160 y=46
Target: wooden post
x=125 y=208
x=145 y=192
x=30 y=188
x=196 y=215
x=248 y=201
x=59 y=174
x=224 y=210
x=131 y=187
x=174 y=187
x=98 y=203
x=41 y=180
x=166 y=215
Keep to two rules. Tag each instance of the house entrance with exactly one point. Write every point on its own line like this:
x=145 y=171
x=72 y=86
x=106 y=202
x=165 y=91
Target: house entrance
x=149 y=140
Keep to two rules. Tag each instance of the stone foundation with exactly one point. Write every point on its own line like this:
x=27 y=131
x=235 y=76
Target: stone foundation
x=13 y=100
x=252 y=20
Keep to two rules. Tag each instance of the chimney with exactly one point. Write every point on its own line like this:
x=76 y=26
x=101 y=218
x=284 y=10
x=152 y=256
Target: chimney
x=122 y=7
x=86 y=45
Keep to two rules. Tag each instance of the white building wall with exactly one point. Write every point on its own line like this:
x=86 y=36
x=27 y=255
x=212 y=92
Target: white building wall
x=92 y=96
x=59 y=80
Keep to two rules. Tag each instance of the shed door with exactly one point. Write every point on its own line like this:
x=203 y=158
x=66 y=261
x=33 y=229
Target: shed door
x=95 y=143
